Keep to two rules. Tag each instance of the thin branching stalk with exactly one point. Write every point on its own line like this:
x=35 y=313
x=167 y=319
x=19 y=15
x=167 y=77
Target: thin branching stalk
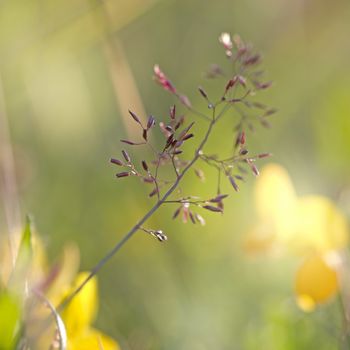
x=345 y=336
x=139 y=224
x=246 y=58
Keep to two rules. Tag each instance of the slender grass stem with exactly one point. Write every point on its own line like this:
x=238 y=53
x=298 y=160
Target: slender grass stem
x=345 y=319
x=139 y=224
x=184 y=201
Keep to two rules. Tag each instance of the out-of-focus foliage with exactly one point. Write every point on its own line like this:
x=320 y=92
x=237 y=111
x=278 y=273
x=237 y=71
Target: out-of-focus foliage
x=13 y=288
x=30 y=299
x=69 y=72
x=10 y=315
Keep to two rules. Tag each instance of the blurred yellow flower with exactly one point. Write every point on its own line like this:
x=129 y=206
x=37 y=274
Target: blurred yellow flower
x=31 y=282
x=316 y=281
x=79 y=315
x=310 y=226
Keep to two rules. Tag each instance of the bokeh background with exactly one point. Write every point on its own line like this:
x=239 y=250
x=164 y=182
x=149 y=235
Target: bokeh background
x=69 y=72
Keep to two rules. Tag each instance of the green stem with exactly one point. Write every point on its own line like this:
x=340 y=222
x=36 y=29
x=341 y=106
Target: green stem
x=345 y=320
x=135 y=228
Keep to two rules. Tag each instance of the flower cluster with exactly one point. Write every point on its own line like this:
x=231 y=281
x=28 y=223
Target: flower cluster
x=311 y=227
x=240 y=86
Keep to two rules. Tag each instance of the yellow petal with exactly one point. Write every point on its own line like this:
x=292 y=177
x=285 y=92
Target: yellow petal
x=92 y=339
x=274 y=192
x=67 y=269
x=319 y=225
x=306 y=303
x=316 y=282
x=39 y=260
x=81 y=311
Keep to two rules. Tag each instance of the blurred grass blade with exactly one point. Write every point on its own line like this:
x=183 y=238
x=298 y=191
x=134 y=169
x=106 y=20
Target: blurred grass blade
x=26 y=241
x=10 y=316
x=25 y=249
x=124 y=86
x=18 y=279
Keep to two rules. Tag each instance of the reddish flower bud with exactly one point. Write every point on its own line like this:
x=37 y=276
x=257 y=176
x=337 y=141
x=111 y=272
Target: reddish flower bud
x=174 y=143
x=192 y=217
x=211 y=208
x=218 y=198
x=152 y=193
x=255 y=170
x=172 y=112
x=116 y=161
x=233 y=183
x=144 y=134
x=169 y=128
x=151 y=122
x=231 y=83
x=123 y=174
x=169 y=140
x=251 y=60
x=202 y=92
x=135 y=117
x=144 y=165
x=186 y=137
x=264 y=155
x=126 y=155
x=162 y=79
x=128 y=142
x=185 y=131
x=177 y=212
x=242 y=138
x=178 y=144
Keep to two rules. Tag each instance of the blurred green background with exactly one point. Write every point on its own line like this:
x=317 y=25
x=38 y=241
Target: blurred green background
x=69 y=72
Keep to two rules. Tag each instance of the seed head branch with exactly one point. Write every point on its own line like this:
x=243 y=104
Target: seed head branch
x=239 y=88
x=135 y=228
